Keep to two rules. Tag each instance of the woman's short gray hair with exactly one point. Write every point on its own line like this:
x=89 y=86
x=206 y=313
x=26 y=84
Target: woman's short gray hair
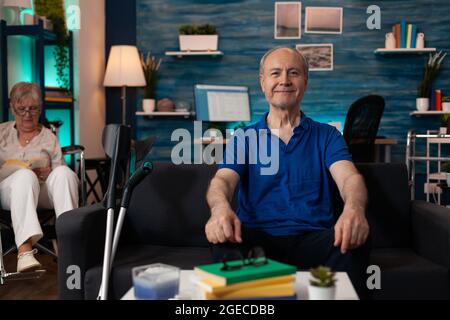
x=305 y=67
x=22 y=90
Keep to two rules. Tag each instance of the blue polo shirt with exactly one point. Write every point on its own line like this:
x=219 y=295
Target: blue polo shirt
x=295 y=195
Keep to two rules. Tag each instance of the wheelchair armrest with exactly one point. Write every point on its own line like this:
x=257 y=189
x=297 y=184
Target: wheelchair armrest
x=72 y=149
x=431 y=231
x=81 y=237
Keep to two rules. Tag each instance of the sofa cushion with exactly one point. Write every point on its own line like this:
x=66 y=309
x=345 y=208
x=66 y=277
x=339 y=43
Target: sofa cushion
x=406 y=275
x=129 y=257
x=388 y=210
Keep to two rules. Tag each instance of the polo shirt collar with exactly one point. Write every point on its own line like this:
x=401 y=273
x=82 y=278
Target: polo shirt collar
x=303 y=125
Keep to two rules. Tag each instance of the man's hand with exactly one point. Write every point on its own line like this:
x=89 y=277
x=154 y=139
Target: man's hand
x=223 y=226
x=42 y=173
x=351 y=229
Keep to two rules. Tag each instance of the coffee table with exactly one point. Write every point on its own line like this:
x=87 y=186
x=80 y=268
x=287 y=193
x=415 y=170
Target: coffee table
x=344 y=287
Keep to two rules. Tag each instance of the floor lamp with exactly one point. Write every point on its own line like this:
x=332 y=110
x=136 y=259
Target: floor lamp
x=124 y=70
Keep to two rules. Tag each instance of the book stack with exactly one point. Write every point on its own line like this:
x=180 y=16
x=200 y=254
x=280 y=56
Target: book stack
x=405 y=34
x=55 y=94
x=274 y=280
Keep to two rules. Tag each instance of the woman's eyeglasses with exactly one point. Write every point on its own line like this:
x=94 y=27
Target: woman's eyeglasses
x=235 y=261
x=32 y=110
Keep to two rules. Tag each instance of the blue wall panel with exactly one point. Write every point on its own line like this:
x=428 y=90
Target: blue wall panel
x=246 y=32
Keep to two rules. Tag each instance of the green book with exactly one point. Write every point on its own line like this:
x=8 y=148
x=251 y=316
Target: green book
x=246 y=273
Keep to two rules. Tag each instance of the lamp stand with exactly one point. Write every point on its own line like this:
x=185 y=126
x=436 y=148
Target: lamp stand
x=124 y=105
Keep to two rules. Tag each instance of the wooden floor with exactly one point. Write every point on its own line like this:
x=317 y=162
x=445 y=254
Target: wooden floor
x=44 y=288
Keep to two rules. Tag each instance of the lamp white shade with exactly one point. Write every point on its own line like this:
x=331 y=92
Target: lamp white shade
x=18 y=3
x=124 y=68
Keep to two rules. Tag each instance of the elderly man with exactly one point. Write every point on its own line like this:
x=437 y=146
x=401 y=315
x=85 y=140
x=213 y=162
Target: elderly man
x=289 y=212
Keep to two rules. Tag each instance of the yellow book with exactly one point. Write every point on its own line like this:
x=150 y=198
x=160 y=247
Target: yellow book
x=58 y=99
x=210 y=286
x=12 y=165
x=408 y=37
x=276 y=290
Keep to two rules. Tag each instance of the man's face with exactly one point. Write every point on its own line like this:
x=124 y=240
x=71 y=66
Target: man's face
x=283 y=81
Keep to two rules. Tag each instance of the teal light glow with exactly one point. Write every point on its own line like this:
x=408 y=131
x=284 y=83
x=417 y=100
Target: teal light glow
x=20 y=60
x=51 y=78
x=64 y=130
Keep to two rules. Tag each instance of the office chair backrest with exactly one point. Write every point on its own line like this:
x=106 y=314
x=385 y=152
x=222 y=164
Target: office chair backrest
x=361 y=127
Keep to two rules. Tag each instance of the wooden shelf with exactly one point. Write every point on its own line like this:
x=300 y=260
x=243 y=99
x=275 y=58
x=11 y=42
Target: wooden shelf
x=404 y=51
x=181 y=54
x=164 y=114
x=427 y=113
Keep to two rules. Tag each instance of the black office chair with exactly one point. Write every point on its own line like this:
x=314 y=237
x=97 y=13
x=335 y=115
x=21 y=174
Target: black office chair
x=361 y=127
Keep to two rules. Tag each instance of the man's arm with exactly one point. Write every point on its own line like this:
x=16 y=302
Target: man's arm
x=351 y=229
x=224 y=224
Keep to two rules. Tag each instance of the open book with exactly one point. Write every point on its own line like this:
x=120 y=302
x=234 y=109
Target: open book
x=12 y=165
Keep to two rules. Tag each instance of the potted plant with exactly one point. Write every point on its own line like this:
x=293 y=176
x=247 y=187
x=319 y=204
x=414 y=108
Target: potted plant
x=198 y=38
x=445 y=124
x=150 y=67
x=322 y=285
x=53 y=10
x=430 y=72
x=446 y=104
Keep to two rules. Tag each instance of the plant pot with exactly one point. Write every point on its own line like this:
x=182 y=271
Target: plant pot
x=443 y=130
x=320 y=293
x=148 y=105
x=446 y=107
x=422 y=104
x=447 y=176
x=198 y=42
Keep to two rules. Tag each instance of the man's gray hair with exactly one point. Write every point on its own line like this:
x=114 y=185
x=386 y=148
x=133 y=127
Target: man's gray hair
x=22 y=90
x=305 y=67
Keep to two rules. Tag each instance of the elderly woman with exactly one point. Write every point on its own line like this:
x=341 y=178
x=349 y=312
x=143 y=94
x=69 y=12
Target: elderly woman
x=33 y=172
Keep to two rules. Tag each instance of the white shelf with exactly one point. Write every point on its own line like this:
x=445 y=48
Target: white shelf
x=180 y=54
x=404 y=51
x=164 y=114
x=427 y=113
x=438 y=176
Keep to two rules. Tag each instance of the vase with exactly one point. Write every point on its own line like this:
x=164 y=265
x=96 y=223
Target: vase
x=320 y=293
x=420 y=41
x=389 y=42
x=446 y=107
x=148 y=105
x=422 y=104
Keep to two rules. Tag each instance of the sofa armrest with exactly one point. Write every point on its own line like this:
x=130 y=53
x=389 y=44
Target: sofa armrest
x=431 y=231
x=81 y=237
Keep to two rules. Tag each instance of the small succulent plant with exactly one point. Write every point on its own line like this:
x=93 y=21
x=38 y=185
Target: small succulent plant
x=322 y=277
x=191 y=29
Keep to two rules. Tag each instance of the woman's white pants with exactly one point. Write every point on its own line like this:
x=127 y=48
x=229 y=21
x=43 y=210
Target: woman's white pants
x=21 y=193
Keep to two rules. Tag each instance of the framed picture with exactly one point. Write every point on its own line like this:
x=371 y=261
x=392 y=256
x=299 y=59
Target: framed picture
x=319 y=56
x=288 y=20
x=326 y=20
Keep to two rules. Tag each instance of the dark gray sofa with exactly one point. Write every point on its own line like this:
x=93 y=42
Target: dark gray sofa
x=166 y=218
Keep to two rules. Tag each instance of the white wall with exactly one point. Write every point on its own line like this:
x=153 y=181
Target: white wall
x=89 y=59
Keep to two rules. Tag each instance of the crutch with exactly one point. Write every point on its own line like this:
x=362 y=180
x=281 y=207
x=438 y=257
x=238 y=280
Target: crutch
x=116 y=140
x=135 y=179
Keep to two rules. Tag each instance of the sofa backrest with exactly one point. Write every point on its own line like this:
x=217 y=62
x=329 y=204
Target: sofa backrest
x=389 y=204
x=169 y=207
